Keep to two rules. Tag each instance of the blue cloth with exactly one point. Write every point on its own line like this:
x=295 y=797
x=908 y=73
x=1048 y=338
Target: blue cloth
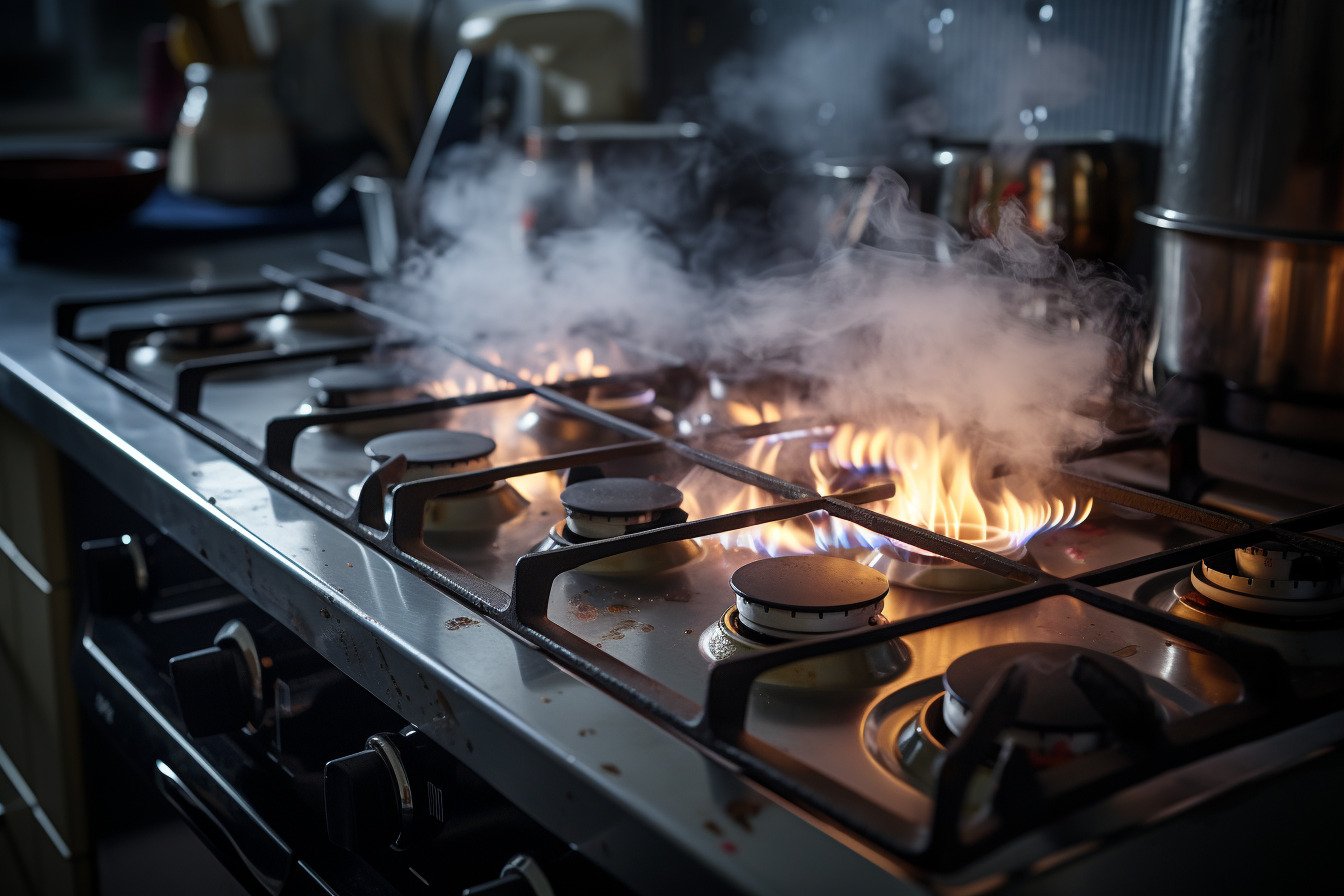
x=166 y=210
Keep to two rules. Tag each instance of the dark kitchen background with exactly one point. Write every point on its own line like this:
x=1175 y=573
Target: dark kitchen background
x=76 y=65
x=703 y=279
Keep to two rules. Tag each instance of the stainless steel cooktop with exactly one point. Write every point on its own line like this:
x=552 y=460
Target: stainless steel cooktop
x=743 y=716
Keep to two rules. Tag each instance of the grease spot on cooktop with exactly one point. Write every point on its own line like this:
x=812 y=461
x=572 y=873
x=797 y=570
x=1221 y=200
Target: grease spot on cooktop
x=619 y=630
x=743 y=811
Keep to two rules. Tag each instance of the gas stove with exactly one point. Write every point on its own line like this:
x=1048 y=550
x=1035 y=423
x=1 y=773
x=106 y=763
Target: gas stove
x=536 y=570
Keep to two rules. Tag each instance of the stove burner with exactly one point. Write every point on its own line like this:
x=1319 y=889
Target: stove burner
x=786 y=598
x=444 y=452
x=1055 y=722
x=364 y=384
x=612 y=506
x=297 y=313
x=360 y=385
x=203 y=329
x=432 y=452
x=631 y=401
x=627 y=400
x=792 y=597
x=1290 y=601
x=607 y=507
x=1052 y=704
x=932 y=572
x=1272 y=579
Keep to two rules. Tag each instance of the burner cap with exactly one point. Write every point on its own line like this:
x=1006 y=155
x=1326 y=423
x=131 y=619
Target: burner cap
x=1272 y=579
x=812 y=594
x=620 y=497
x=1052 y=703
x=431 y=447
x=343 y=379
x=609 y=506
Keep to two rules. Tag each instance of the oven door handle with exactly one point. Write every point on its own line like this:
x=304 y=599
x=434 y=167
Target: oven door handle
x=263 y=863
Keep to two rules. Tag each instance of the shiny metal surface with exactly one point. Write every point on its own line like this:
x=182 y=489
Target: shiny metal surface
x=238 y=634
x=1184 y=680
x=387 y=751
x=616 y=783
x=654 y=623
x=590 y=768
x=1317 y=643
x=1257 y=131
x=1249 y=271
x=1084 y=190
x=1263 y=315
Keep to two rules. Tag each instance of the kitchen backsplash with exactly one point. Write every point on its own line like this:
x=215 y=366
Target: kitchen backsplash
x=826 y=73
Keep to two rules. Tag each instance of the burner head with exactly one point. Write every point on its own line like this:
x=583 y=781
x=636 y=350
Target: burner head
x=364 y=384
x=432 y=452
x=1056 y=718
x=1272 y=579
x=932 y=572
x=791 y=597
x=612 y=506
x=558 y=426
x=203 y=327
x=627 y=400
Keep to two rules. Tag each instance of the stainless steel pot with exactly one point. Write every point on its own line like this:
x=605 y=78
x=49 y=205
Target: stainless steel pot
x=1249 y=274
x=1257 y=130
x=1258 y=314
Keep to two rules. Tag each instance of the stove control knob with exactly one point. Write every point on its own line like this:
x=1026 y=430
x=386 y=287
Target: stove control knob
x=219 y=689
x=522 y=876
x=390 y=794
x=118 y=573
x=213 y=690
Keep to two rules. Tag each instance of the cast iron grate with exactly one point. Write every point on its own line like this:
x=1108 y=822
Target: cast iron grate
x=718 y=721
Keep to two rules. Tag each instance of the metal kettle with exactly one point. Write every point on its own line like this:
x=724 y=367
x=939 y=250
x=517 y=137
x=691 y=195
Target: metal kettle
x=570 y=62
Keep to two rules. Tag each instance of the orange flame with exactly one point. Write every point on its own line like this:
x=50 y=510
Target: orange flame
x=565 y=365
x=937 y=488
x=741 y=413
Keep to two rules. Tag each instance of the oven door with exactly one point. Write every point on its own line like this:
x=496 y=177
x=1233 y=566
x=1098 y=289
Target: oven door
x=265 y=839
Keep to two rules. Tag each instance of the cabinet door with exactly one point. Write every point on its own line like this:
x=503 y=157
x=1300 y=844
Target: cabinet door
x=39 y=731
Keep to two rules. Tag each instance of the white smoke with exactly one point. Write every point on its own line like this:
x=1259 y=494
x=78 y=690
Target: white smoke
x=839 y=87
x=880 y=80
x=494 y=281
x=1004 y=337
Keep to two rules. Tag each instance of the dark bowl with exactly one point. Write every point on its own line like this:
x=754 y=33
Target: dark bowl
x=78 y=190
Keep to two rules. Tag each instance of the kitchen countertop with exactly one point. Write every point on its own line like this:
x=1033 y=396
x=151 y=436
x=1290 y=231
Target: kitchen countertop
x=616 y=784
